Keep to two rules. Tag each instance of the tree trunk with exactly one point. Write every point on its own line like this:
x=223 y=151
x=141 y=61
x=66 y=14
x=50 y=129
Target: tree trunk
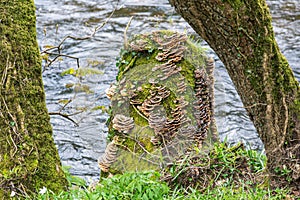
x=241 y=34
x=28 y=156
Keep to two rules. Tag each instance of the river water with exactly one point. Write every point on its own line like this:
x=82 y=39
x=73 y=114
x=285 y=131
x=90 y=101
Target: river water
x=82 y=143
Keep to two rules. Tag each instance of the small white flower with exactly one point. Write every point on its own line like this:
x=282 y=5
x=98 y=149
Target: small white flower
x=43 y=190
x=12 y=194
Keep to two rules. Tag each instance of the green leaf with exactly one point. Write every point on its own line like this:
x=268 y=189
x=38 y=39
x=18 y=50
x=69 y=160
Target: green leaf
x=69 y=85
x=70 y=71
x=64 y=101
x=139 y=188
x=144 y=197
x=48 y=46
x=151 y=194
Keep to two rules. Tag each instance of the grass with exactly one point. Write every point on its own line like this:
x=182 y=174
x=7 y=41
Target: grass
x=149 y=185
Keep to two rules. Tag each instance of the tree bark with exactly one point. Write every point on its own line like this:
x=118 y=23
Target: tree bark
x=241 y=34
x=28 y=156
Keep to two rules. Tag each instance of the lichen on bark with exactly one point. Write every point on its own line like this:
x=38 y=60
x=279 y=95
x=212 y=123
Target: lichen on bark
x=29 y=159
x=161 y=105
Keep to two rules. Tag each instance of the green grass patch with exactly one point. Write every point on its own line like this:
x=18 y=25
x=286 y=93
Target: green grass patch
x=232 y=173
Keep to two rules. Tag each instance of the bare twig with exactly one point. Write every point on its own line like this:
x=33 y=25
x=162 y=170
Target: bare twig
x=253 y=105
x=65 y=105
x=57 y=55
x=65 y=116
x=125 y=33
x=56 y=51
x=12 y=117
x=139 y=143
x=285 y=124
x=4 y=74
x=138 y=112
x=16 y=148
x=135 y=154
x=90 y=36
x=59 y=46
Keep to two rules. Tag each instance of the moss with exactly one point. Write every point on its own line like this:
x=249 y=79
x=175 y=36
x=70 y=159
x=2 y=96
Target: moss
x=129 y=162
x=281 y=77
x=28 y=156
x=236 y=4
x=138 y=120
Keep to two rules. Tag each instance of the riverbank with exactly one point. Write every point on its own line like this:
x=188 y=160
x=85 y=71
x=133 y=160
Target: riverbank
x=234 y=173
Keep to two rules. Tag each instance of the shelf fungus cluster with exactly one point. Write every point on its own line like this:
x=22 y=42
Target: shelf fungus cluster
x=172 y=51
x=161 y=105
x=109 y=156
x=202 y=105
x=122 y=123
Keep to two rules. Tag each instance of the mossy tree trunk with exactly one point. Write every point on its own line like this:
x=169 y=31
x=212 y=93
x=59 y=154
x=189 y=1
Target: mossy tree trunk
x=28 y=156
x=241 y=34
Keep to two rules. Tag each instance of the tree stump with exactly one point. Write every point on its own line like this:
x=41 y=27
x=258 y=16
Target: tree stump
x=161 y=105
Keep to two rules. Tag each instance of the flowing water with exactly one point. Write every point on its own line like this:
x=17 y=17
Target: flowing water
x=82 y=143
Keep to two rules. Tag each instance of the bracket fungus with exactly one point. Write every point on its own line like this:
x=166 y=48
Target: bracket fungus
x=109 y=156
x=161 y=104
x=122 y=123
